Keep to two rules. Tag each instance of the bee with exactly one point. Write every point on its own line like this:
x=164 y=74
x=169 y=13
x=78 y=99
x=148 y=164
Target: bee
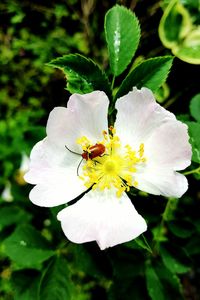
x=92 y=152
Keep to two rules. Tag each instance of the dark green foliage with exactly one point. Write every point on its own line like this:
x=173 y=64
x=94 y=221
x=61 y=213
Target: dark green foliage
x=195 y=107
x=175 y=260
x=150 y=73
x=55 y=282
x=27 y=247
x=25 y=284
x=194 y=129
x=154 y=285
x=10 y=215
x=82 y=74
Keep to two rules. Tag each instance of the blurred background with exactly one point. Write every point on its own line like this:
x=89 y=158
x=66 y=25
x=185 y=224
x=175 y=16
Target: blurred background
x=35 y=257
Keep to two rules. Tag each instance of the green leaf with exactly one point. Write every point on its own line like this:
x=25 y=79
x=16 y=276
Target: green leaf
x=184 y=39
x=151 y=73
x=162 y=93
x=193 y=246
x=161 y=283
x=170 y=282
x=85 y=262
x=181 y=229
x=56 y=283
x=159 y=233
x=177 y=17
x=154 y=285
x=138 y=243
x=27 y=247
x=10 y=215
x=195 y=107
x=183 y=117
x=132 y=289
x=82 y=74
x=25 y=284
x=170 y=209
x=189 y=49
x=194 y=130
x=175 y=259
x=122 y=35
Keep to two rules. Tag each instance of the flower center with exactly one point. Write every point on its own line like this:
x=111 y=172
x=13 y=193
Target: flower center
x=115 y=167
x=110 y=166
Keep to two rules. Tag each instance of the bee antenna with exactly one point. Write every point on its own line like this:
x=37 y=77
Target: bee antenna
x=72 y=151
x=79 y=166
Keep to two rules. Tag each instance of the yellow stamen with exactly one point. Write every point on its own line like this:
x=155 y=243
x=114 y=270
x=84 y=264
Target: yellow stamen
x=117 y=167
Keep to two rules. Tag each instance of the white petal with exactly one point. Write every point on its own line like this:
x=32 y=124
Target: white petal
x=138 y=116
x=165 y=139
x=85 y=115
x=163 y=182
x=169 y=147
x=58 y=187
x=54 y=170
x=102 y=217
x=25 y=162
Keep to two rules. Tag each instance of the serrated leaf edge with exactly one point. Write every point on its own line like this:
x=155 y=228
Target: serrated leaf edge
x=144 y=61
x=138 y=32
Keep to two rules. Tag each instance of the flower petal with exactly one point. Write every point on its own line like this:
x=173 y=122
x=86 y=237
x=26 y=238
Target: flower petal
x=169 y=147
x=102 y=217
x=54 y=170
x=138 y=116
x=164 y=182
x=53 y=167
x=166 y=145
x=85 y=115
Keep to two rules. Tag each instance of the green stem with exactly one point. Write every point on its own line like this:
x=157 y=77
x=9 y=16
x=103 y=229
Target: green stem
x=197 y=170
x=162 y=223
x=146 y=243
x=113 y=82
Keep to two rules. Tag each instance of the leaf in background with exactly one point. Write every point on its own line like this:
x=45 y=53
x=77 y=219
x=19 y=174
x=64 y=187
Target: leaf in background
x=171 y=207
x=159 y=233
x=162 y=93
x=193 y=245
x=195 y=107
x=175 y=259
x=132 y=289
x=56 y=284
x=82 y=74
x=194 y=130
x=127 y=269
x=183 y=117
x=25 y=284
x=184 y=39
x=138 y=243
x=174 y=25
x=154 y=285
x=10 y=215
x=27 y=247
x=181 y=228
x=151 y=73
x=122 y=35
x=85 y=262
x=189 y=49
x=170 y=282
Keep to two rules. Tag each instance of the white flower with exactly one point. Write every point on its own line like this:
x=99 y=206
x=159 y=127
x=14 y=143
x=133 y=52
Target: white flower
x=24 y=167
x=25 y=162
x=6 y=195
x=144 y=149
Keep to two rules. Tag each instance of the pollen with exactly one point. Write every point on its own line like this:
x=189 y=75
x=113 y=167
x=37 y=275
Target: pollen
x=116 y=168
x=110 y=166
